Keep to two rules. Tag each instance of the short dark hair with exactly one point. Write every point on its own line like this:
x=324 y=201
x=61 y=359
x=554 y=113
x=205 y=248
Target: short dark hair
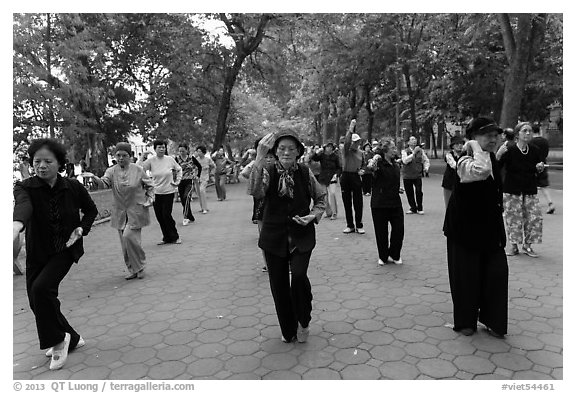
x=184 y=145
x=202 y=149
x=509 y=134
x=159 y=142
x=52 y=145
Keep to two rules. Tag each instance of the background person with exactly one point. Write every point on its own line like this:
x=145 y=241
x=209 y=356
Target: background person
x=475 y=236
x=330 y=170
x=288 y=235
x=164 y=169
x=542 y=177
x=208 y=168
x=450 y=175
x=191 y=170
x=522 y=212
x=350 y=181
x=365 y=171
x=133 y=194
x=386 y=205
x=49 y=206
x=415 y=164
x=220 y=161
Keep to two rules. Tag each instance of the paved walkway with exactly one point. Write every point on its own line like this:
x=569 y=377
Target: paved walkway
x=205 y=310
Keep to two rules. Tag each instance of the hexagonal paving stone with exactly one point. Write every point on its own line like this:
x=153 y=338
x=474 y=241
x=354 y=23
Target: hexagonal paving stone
x=409 y=335
x=147 y=340
x=174 y=352
x=531 y=375
x=282 y=375
x=437 y=368
x=315 y=359
x=457 y=347
x=377 y=338
x=360 y=371
x=242 y=364
x=352 y=356
x=487 y=343
x=338 y=327
x=546 y=358
x=279 y=361
x=243 y=348
x=399 y=370
x=422 y=350
x=102 y=358
x=204 y=367
x=167 y=370
x=345 y=340
x=474 y=364
x=210 y=336
x=510 y=361
x=368 y=325
x=211 y=350
x=129 y=371
x=138 y=355
x=92 y=373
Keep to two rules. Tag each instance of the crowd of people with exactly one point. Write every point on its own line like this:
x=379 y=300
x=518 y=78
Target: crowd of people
x=490 y=194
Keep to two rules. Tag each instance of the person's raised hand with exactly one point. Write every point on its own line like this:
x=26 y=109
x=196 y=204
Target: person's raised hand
x=304 y=220
x=352 y=125
x=74 y=236
x=265 y=144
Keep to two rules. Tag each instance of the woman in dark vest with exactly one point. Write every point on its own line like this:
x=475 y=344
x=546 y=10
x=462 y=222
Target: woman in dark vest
x=476 y=238
x=48 y=206
x=288 y=234
x=450 y=176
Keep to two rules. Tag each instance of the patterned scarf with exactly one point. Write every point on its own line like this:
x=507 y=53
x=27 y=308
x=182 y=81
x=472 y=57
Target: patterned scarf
x=286 y=181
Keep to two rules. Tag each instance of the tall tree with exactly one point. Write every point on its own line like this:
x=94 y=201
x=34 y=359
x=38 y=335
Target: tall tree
x=522 y=35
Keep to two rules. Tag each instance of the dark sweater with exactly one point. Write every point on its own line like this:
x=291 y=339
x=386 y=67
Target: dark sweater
x=51 y=214
x=386 y=185
x=329 y=166
x=520 y=170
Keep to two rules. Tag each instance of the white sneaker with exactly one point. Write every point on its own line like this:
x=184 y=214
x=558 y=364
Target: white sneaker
x=204 y=211
x=59 y=356
x=302 y=333
x=381 y=262
x=348 y=230
x=421 y=212
x=80 y=344
x=398 y=262
x=185 y=222
x=361 y=231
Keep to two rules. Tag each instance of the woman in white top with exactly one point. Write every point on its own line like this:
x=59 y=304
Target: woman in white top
x=208 y=169
x=166 y=174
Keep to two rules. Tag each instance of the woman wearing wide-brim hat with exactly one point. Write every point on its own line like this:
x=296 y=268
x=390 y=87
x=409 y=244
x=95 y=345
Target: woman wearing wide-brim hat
x=288 y=235
x=450 y=176
x=475 y=235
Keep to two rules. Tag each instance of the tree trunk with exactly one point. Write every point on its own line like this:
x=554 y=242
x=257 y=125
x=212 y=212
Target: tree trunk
x=370 y=113
x=224 y=107
x=411 y=100
x=51 y=121
x=520 y=48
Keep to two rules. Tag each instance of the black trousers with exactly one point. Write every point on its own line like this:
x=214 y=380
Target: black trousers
x=367 y=183
x=382 y=217
x=163 y=210
x=413 y=187
x=292 y=295
x=42 y=282
x=479 y=287
x=351 y=186
x=184 y=190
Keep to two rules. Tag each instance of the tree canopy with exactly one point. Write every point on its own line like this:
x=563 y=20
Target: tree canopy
x=94 y=79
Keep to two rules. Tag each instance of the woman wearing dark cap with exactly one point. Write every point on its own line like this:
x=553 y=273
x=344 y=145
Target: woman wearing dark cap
x=49 y=206
x=386 y=204
x=450 y=176
x=288 y=235
x=365 y=171
x=476 y=238
x=522 y=163
x=133 y=194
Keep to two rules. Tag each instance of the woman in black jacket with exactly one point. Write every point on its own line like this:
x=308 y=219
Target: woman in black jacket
x=288 y=235
x=475 y=236
x=48 y=206
x=386 y=204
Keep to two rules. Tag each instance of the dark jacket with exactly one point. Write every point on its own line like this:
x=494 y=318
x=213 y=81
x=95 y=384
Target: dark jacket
x=386 y=185
x=520 y=170
x=277 y=223
x=45 y=236
x=474 y=214
x=329 y=165
x=450 y=177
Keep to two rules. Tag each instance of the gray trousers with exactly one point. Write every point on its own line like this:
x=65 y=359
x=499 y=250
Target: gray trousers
x=131 y=242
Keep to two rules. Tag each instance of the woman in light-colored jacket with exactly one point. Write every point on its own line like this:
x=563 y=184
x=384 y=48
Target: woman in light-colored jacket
x=133 y=193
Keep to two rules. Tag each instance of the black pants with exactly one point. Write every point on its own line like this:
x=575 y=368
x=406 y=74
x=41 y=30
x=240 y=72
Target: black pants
x=367 y=183
x=479 y=287
x=163 y=210
x=42 y=282
x=411 y=187
x=185 y=192
x=382 y=217
x=351 y=186
x=292 y=297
